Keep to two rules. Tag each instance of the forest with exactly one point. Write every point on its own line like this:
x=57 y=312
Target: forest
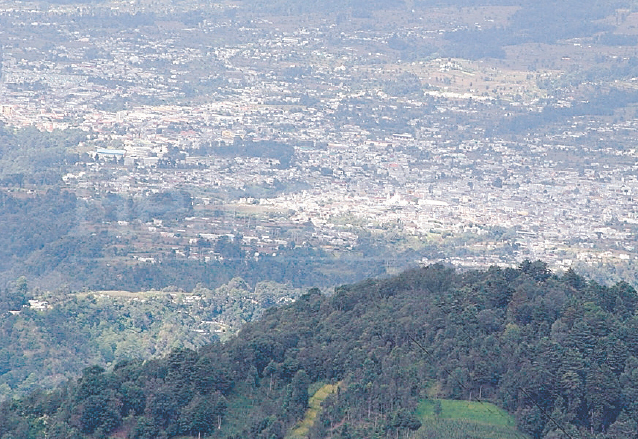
x=557 y=352
x=47 y=337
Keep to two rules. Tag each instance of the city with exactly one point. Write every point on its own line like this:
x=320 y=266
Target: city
x=284 y=138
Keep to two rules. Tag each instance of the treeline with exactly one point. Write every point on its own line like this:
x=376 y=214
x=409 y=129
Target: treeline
x=599 y=104
x=300 y=267
x=247 y=147
x=535 y=343
x=535 y=21
x=58 y=240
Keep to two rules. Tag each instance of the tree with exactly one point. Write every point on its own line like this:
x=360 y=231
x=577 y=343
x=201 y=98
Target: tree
x=93 y=382
x=145 y=429
x=203 y=414
x=623 y=428
x=99 y=411
x=438 y=410
x=163 y=407
x=298 y=400
x=602 y=396
x=402 y=419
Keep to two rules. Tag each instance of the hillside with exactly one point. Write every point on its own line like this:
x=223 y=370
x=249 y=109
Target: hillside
x=535 y=344
x=47 y=338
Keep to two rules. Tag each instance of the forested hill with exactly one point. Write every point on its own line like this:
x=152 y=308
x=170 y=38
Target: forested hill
x=48 y=337
x=532 y=342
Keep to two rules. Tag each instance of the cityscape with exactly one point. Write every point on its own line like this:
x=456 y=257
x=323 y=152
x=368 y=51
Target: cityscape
x=318 y=133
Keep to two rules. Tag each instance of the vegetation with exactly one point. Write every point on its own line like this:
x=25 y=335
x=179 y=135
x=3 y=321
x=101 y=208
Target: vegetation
x=43 y=347
x=531 y=342
x=459 y=429
x=314 y=408
x=475 y=411
x=29 y=156
x=77 y=251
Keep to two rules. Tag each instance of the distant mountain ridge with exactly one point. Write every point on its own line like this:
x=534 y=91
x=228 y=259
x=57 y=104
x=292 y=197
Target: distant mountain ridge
x=534 y=21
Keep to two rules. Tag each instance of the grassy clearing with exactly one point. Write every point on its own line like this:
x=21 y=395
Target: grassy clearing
x=482 y=412
x=465 y=419
x=434 y=428
x=302 y=429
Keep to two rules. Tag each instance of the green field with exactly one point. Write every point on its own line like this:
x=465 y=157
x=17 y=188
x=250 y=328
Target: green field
x=465 y=419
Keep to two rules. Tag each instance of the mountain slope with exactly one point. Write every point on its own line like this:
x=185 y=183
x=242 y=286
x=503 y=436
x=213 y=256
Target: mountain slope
x=46 y=339
x=533 y=343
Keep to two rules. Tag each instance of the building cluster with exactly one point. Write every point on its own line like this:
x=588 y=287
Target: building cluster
x=170 y=106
